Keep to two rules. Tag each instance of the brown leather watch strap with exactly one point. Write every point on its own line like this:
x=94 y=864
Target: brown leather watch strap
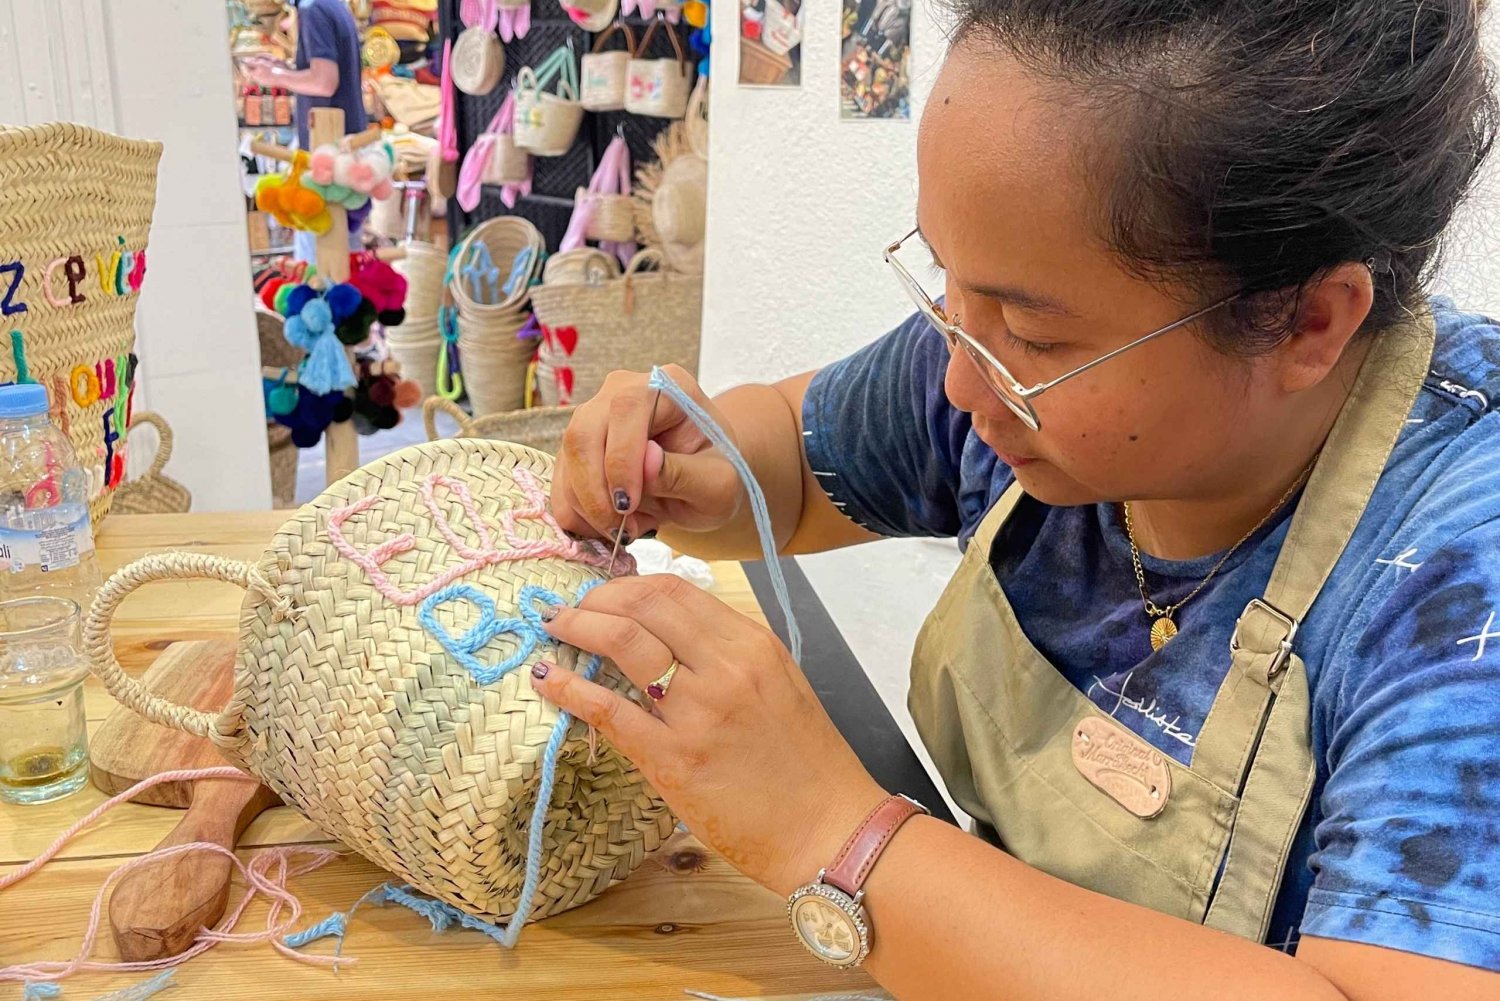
x=858 y=856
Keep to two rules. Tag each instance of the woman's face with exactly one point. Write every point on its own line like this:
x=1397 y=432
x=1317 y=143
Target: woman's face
x=1006 y=211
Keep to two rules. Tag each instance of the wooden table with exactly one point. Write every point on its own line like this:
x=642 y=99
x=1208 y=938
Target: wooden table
x=684 y=920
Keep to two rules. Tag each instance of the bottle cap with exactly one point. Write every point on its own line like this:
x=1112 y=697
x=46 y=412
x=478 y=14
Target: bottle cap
x=25 y=400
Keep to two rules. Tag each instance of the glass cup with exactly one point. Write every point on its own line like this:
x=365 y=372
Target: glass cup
x=43 y=734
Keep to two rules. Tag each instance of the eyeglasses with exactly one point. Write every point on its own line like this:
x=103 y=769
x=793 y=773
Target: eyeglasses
x=1006 y=386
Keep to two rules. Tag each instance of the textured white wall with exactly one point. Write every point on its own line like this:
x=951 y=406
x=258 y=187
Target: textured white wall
x=800 y=205
x=159 y=69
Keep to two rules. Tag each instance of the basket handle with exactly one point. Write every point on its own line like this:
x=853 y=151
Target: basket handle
x=164 y=437
x=609 y=33
x=221 y=728
x=661 y=19
x=430 y=408
x=652 y=254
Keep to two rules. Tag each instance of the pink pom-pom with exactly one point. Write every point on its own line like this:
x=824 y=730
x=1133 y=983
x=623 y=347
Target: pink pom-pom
x=321 y=164
x=361 y=177
x=383 y=190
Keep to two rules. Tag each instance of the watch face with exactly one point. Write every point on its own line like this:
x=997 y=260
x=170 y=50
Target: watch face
x=827 y=929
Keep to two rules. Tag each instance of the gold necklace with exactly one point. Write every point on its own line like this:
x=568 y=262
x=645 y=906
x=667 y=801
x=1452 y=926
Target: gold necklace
x=1162 y=626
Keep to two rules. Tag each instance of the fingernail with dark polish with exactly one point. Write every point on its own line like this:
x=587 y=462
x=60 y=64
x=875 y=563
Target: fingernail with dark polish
x=549 y=612
x=622 y=501
x=539 y=669
x=649 y=535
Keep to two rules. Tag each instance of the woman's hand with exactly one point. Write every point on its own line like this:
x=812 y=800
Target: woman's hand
x=739 y=747
x=619 y=459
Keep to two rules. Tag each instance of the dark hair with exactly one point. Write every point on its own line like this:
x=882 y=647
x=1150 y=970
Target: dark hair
x=1251 y=145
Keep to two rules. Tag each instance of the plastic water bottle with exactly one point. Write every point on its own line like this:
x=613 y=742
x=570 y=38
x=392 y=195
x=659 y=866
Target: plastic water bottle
x=46 y=538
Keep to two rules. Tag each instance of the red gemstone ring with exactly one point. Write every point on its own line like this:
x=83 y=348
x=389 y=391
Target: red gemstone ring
x=658 y=688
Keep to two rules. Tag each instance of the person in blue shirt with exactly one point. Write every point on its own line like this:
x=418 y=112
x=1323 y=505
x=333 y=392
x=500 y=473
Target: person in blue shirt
x=326 y=74
x=1220 y=668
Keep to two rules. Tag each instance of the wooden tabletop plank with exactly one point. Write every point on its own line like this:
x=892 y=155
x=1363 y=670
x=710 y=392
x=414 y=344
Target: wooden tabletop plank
x=684 y=920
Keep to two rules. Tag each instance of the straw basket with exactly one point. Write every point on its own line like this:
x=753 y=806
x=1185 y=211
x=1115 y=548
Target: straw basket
x=416 y=343
x=613 y=218
x=546 y=124
x=508 y=163
x=581 y=264
x=155 y=492
x=76 y=205
x=478 y=61
x=634 y=322
x=604 y=75
x=540 y=428
x=361 y=699
x=659 y=88
x=495 y=361
x=284 y=459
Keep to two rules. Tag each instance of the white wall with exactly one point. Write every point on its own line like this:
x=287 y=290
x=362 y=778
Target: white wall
x=159 y=69
x=800 y=205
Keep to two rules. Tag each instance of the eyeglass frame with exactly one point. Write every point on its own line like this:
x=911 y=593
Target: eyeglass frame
x=952 y=331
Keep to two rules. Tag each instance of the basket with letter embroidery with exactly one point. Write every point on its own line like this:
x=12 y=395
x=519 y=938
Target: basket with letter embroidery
x=382 y=684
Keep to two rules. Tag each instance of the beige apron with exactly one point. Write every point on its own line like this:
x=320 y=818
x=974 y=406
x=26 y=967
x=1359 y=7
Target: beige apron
x=1005 y=728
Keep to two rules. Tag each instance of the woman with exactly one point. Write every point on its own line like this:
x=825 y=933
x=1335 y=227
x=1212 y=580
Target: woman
x=1220 y=665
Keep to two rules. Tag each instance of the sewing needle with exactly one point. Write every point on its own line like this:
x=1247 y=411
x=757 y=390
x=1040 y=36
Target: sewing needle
x=620 y=532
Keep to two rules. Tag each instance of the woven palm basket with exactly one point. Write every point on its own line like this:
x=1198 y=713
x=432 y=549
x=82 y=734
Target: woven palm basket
x=540 y=428
x=369 y=726
x=66 y=191
x=154 y=492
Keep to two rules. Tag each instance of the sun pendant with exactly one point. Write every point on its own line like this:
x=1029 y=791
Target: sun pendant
x=1162 y=630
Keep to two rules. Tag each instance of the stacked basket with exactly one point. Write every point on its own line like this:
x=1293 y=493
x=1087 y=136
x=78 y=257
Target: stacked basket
x=492 y=313
x=416 y=343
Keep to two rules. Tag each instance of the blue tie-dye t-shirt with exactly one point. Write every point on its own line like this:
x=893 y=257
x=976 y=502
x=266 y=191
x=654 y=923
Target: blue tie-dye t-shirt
x=1401 y=846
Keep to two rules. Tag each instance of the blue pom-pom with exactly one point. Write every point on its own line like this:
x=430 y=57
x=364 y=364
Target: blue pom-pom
x=299 y=297
x=343 y=299
x=316 y=316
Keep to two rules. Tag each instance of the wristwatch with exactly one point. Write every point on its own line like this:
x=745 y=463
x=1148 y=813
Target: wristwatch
x=828 y=915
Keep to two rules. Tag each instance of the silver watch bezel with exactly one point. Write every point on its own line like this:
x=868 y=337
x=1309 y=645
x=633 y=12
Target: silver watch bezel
x=853 y=907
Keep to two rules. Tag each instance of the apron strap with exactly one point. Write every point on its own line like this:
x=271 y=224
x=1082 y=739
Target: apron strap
x=991 y=523
x=1256 y=741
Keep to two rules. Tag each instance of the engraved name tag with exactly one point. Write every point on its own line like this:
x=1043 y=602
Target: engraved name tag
x=1122 y=766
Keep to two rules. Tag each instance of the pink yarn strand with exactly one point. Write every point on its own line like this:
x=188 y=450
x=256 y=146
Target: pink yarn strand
x=266 y=875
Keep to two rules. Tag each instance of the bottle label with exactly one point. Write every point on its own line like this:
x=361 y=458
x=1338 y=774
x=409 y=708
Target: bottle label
x=49 y=550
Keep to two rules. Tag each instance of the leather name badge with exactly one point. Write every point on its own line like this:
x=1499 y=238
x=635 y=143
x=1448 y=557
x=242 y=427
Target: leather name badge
x=1122 y=766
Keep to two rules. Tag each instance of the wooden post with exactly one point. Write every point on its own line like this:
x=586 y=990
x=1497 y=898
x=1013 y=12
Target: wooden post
x=340 y=443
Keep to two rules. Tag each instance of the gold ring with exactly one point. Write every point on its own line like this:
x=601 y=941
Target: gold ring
x=657 y=690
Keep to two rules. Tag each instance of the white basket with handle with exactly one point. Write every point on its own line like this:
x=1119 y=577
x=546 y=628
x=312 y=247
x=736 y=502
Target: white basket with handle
x=659 y=88
x=547 y=123
x=606 y=74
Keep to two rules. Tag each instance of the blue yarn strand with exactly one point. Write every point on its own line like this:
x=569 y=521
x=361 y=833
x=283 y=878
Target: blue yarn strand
x=758 y=507
x=142 y=990
x=38 y=991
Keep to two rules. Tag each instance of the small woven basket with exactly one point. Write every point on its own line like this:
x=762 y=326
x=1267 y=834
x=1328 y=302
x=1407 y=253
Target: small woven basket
x=67 y=191
x=540 y=428
x=546 y=123
x=604 y=75
x=495 y=362
x=155 y=492
x=658 y=88
x=508 y=163
x=613 y=218
x=632 y=323
x=350 y=702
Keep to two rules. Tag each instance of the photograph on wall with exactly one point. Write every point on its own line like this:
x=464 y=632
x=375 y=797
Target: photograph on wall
x=875 y=65
x=770 y=43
